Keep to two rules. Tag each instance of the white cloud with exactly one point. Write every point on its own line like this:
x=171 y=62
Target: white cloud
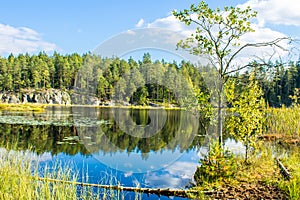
x=261 y=34
x=171 y=23
x=276 y=11
x=22 y=40
x=140 y=23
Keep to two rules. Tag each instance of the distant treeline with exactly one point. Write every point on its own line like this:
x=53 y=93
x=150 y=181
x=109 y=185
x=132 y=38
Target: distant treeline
x=278 y=81
x=101 y=75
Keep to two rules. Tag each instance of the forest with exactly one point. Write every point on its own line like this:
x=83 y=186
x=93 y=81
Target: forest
x=101 y=75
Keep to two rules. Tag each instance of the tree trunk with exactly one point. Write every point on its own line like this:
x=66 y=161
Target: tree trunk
x=220 y=122
x=246 y=153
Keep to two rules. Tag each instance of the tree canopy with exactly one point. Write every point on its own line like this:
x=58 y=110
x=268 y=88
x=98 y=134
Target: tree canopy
x=217 y=37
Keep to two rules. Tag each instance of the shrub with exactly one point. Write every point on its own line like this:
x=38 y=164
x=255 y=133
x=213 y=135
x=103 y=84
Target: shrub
x=219 y=163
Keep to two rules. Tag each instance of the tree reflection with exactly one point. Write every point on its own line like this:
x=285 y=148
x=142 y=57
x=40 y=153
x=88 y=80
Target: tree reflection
x=125 y=130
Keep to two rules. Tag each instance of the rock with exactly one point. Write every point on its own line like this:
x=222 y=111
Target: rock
x=9 y=97
x=30 y=97
x=24 y=98
x=13 y=99
x=4 y=98
x=66 y=98
x=50 y=96
x=83 y=99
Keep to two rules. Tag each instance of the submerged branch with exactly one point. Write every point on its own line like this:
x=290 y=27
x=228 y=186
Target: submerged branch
x=158 y=191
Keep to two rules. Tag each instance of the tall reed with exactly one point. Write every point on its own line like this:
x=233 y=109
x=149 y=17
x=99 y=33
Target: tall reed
x=284 y=121
x=19 y=178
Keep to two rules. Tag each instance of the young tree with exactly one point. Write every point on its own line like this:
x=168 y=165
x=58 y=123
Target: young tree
x=246 y=118
x=218 y=37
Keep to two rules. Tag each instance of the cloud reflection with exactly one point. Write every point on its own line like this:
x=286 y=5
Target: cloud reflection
x=177 y=175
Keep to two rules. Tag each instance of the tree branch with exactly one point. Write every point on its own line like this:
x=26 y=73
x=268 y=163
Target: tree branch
x=256 y=45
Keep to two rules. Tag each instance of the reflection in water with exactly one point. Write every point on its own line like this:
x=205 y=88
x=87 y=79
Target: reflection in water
x=174 y=176
x=90 y=130
x=151 y=148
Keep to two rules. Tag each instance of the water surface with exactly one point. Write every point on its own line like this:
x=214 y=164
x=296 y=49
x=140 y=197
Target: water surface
x=144 y=148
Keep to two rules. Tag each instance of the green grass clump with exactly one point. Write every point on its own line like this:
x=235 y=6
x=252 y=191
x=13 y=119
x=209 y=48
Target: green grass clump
x=291 y=162
x=284 y=121
x=217 y=165
x=19 y=178
x=22 y=107
x=261 y=167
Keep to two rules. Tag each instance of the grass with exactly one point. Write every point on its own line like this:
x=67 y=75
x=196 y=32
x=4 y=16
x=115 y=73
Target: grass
x=253 y=171
x=291 y=161
x=260 y=168
x=284 y=121
x=19 y=178
x=40 y=107
x=22 y=107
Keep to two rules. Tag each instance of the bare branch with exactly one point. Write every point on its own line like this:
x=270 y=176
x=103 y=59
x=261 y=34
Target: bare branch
x=257 y=45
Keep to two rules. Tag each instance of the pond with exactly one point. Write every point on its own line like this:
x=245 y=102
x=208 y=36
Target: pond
x=133 y=147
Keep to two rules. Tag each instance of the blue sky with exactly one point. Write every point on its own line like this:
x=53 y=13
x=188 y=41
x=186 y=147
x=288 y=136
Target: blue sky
x=79 y=26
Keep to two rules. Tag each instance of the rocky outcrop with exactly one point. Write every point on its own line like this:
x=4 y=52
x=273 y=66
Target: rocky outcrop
x=54 y=96
x=9 y=98
x=50 y=96
x=83 y=99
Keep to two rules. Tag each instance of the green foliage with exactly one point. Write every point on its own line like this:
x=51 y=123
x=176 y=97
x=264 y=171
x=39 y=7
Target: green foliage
x=218 y=32
x=129 y=81
x=43 y=71
x=217 y=37
x=218 y=164
x=246 y=114
x=279 y=82
x=296 y=97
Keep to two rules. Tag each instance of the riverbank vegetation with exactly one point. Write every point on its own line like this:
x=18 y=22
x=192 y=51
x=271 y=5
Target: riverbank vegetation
x=291 y=160
x=283 y=124
x=259 y=175
x=22 y=107
x=218 y=37
x=20 y=179
x=259 y=178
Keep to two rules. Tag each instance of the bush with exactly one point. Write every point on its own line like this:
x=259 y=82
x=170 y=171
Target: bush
x=216 y=165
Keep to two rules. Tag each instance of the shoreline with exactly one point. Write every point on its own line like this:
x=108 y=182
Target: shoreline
x=29 y=106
